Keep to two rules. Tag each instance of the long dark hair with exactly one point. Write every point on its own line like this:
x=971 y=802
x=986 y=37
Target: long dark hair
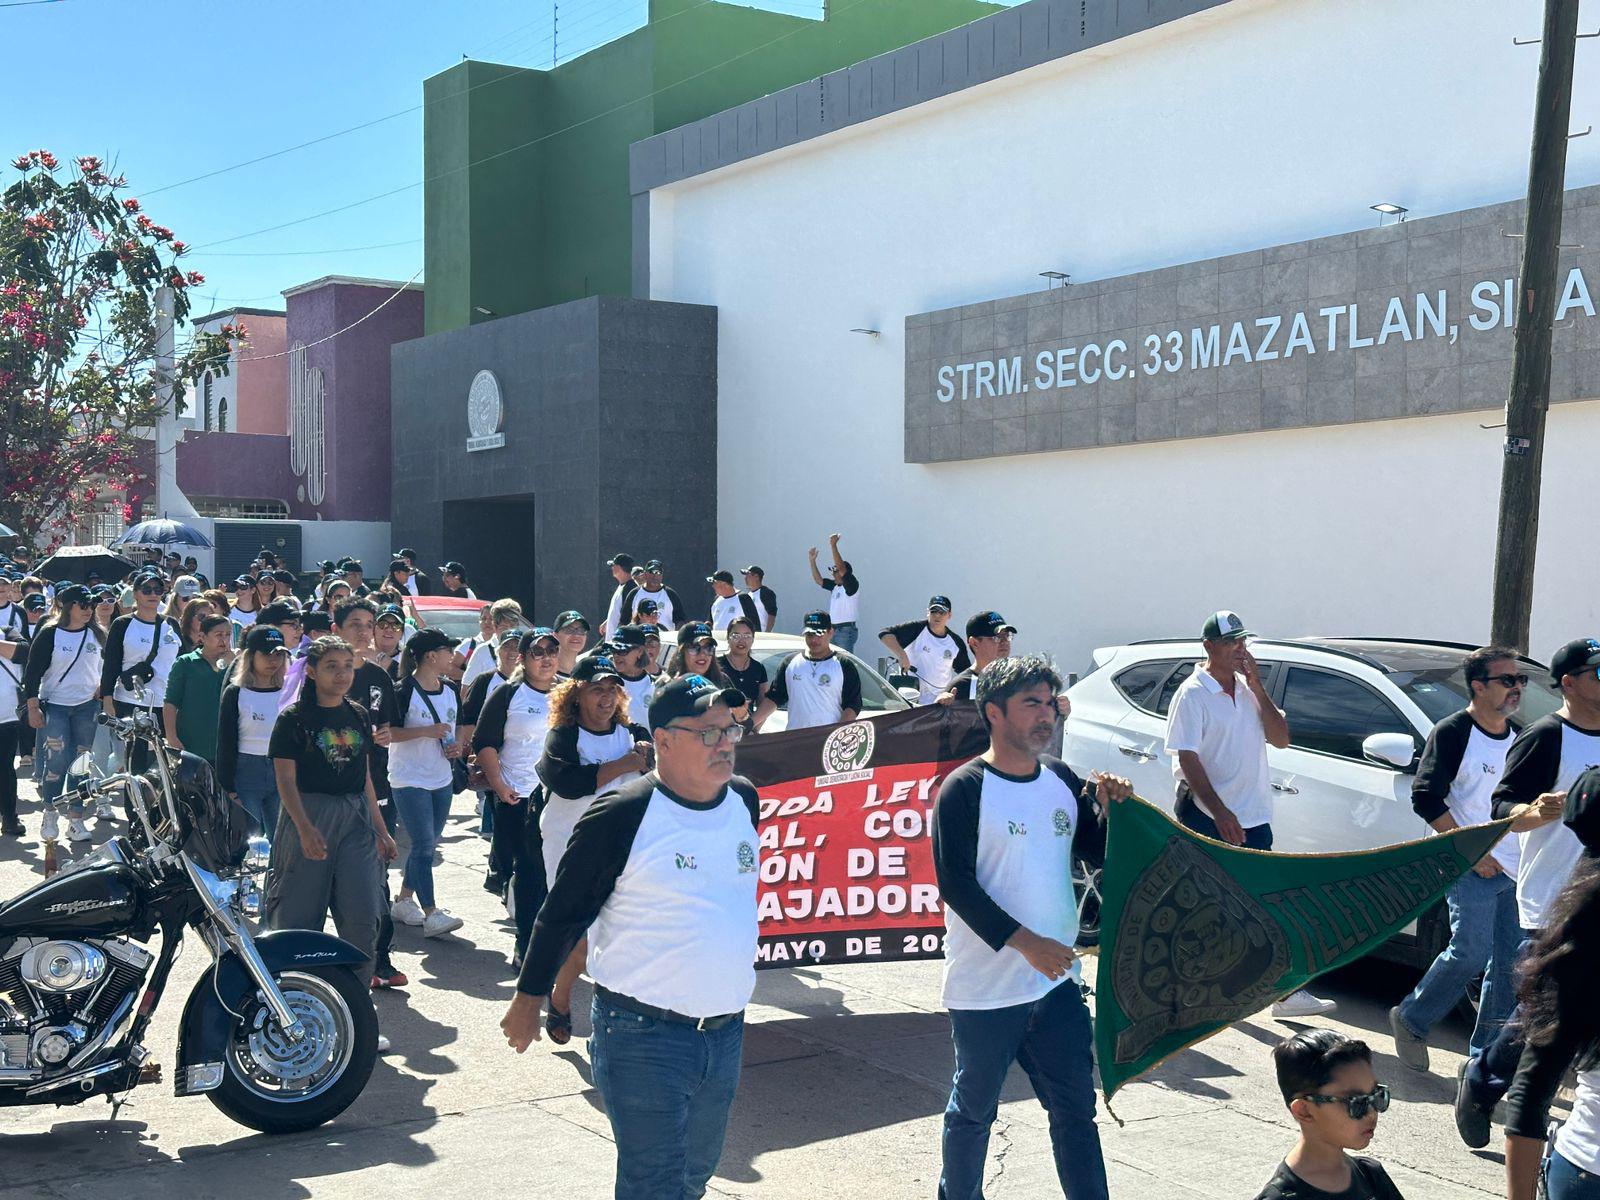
x=1557 y=990
x=714 y=672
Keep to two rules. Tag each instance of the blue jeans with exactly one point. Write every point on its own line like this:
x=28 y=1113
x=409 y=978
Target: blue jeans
x=1051 y=1039
x=1490 y=1070
x=68 y=732
x=845 y=635
x=256 y=785
x=423 y=812
x=667 y=1089
x=1563 y=1181
x=1485 y=932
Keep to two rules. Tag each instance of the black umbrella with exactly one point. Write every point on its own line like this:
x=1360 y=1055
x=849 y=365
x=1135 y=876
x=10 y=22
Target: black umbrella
x=163 y=531
x=7 y=532
x=78 y=562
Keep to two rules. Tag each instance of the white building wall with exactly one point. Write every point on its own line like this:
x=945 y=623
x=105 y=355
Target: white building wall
x=1253 y=125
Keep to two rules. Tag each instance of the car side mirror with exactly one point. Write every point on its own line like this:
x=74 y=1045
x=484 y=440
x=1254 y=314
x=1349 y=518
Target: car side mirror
x=910 y=694
x=1398 y=750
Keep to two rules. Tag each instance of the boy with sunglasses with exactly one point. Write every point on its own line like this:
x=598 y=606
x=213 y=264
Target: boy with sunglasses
x=1327 y=1081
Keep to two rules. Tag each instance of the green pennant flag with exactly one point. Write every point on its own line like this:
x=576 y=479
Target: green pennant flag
x=1196 y=934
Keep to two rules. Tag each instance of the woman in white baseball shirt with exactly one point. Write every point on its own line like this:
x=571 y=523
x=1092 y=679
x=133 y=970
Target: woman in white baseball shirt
x=140 y=650
x=250 y=705
x=62 y=686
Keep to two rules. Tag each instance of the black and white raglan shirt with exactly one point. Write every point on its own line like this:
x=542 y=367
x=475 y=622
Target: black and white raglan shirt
x=843 y=599
x=569 y=768
x=1459 y=770
x=420 y=762
x=669 y=606
x=477 y=695
x=1002 y=849
x=964 y=685
x=665 y=889
x=514 y=723
x=767 y=601
x=725 y=608
x=937 y=660
x=639 y=691
x=244 y=726
x=13 y=623
x=63 y=666
x=817 y=690
x=128 y=645
x=1547 y=756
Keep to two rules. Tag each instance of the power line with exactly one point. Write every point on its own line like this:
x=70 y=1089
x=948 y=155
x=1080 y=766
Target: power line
x=28 y=3
x=533 y=141
x=307 y=253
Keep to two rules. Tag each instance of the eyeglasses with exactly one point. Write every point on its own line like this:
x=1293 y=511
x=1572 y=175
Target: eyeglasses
x=741 y=637
x=710 y=737
x=1509 y=681
x=1376 y=1100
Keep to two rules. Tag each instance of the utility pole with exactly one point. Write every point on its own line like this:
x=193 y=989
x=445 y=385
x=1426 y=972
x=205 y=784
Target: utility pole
x=1529 y=401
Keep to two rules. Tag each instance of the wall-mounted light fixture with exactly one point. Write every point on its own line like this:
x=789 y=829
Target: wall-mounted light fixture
x=488 y=312
x=1056 y=278
x=1387 y=209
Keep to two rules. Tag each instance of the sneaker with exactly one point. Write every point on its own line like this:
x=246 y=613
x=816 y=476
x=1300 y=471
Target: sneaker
x=103 y=810
x=383 y=1044
x=1408 y=1047
x=12 y=828
x=50 y=827
x=1301 y=1004
x=407 y=911
x=1472 y=1123
x=78 y=831
x=440 y=922
x=388 y=977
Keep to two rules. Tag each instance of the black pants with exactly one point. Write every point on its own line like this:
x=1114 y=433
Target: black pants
x=10 y=734
x=139 y=750
x=517 y=850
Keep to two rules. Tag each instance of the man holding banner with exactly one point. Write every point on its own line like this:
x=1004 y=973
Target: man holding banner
x=1006 y=826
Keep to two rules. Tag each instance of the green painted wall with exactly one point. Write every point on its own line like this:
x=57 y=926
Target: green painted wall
x=547 y=218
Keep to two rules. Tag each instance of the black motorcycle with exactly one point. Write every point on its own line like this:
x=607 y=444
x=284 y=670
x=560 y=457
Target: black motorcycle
x=279 y=1032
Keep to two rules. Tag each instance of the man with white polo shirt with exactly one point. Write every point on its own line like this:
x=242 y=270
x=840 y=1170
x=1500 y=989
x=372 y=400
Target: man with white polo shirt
x=1006 y=827
x=755 y=586
x=1218 y=730
x=1544 y=761
x=1460 y=766
x=843 y=590
x=928 y=649
x=819 y=687
x=661 y=876
x=728 y=601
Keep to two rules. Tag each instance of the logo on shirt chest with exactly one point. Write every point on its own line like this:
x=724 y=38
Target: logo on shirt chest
x=1489 y=768
x=747 y=858
x=258 y=717
x=1061 y=822
x=685 y=862
x=1016 y=829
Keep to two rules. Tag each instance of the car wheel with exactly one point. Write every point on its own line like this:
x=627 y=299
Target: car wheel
x=1086 y=887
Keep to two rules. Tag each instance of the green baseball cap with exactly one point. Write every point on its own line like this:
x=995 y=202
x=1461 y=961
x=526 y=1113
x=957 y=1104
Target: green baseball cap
x=1225 y=626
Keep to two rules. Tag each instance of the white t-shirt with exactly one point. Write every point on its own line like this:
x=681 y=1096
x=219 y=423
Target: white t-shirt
x=1548 y=756
x=1479 y=758
x=844 y=600
x=679 y=928
x=10 y=690
x=639 y=692
x=725 y=609
x=12 y=619
x=483 y=659
x=420 y=762
x=816 y=690
x=243 y=618
x=258 y=712
x=72 y=678
x=1579 y=1138
x=527 y=725
x=614 y=619
x=1227 y=734
x=1024 y=863
x=664 y=611
x=136 y=648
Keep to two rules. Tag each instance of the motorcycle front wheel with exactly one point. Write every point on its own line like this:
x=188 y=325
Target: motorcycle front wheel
x=275 y=1085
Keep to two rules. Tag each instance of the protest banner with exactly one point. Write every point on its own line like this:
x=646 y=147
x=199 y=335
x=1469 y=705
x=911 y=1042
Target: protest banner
x=846 y=827
x=1196 y=934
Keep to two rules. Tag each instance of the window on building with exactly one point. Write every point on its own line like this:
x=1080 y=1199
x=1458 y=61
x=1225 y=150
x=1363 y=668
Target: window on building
x=205 y=401
x=105 y=525
x=222 y=415
x=235 y=508
x=1334 y=714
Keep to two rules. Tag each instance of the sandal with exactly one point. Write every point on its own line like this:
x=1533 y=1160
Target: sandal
x=558 y=1025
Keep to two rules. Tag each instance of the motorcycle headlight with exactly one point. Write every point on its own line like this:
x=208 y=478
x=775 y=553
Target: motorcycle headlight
x=257 y=855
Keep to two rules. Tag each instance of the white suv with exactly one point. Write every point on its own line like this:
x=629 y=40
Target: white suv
x=1359 y=710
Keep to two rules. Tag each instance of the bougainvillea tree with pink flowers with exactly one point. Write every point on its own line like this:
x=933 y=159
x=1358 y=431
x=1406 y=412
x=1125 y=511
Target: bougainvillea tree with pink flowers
x=80 y=263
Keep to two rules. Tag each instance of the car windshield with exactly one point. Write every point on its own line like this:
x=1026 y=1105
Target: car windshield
x=876 y=694
x=459 y=623
x=1440 y=693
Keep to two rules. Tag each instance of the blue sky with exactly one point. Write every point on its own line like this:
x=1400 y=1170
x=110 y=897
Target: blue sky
x=170 y=91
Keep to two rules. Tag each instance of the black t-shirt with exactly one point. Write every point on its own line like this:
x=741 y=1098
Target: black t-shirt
x=1368 y=1181
x=373 y=690
x=749 y=681
x=330 y=746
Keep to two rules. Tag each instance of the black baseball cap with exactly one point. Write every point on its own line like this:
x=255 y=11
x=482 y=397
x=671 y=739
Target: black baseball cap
x=277 y=613
x=265 y=639
x=1224 y=626
x=1574 y=657
x=941 y=603
x=405 y=552
x=534 y=636
x=817 y=622
x=510 y=635
x=74 y=593
x=570 y=617
x=453 y=568
x=1581 y=812
x=647 y=606
x=313 y=623
x=350 y=564
x=593 y=667
x=988 y=624
x=424 y=640
x=283 y=576
x=36 y=602
x=625 y=561
x=689 y=696
x=695 y=632
x=399 y=564
x=246 y=581
x=753 y=571
x=628 y=637
x=327 y=566
x=392 y=612
x=720 y=577
x=653 y=566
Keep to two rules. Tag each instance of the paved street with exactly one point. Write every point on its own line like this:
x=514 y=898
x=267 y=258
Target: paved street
x=846 y=1072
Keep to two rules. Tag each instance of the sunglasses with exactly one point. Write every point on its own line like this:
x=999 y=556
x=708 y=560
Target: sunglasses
x=1376 y=1100
x=1509 y=681
x=710 y=737
x=152 y=589
x=741 y=637
x=540 y=650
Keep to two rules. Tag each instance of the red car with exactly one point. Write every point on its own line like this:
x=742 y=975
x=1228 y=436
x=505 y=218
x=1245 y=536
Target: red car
x=457 y=617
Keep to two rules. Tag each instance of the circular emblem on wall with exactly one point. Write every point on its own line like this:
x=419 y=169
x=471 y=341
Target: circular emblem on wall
x=484 y=410
x=848 y=748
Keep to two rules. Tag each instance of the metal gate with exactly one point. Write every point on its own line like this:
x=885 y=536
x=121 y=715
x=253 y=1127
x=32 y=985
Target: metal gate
x=238 y=543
